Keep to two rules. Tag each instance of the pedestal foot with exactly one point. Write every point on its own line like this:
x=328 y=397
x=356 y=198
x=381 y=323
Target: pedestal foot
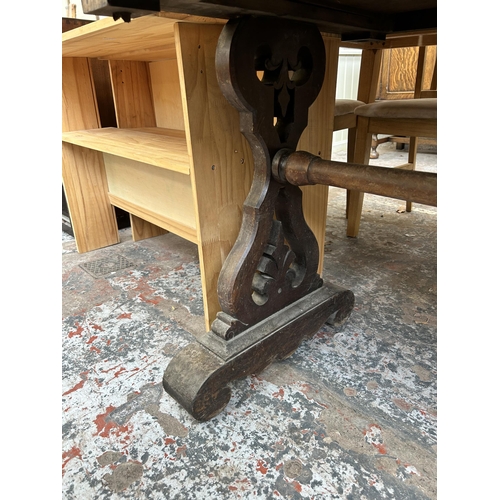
x=198 y=376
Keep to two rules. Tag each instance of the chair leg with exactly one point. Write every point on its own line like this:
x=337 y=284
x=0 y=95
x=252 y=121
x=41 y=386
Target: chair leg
x=374 y=153
x=351 y=141
x=412 y=160
x=354 y=209
x=361 y=155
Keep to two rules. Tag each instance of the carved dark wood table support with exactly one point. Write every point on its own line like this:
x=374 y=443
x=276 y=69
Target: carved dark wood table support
x=269 y=289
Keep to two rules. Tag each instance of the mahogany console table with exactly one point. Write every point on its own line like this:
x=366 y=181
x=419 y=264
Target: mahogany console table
x=270 y=62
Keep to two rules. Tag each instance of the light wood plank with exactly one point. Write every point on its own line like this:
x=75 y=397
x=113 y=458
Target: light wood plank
x=133 y=103
x=158 y=191
x=162 y=148
x=142 y=229
x=166 y=92
x=369 y=74
x=85 y=185
x=79 y=104
x=92 y=216
x=186 y=232
x=132 y=94
x=165 y=51
x=107 y=38
x=221 y=157
x=146 y=38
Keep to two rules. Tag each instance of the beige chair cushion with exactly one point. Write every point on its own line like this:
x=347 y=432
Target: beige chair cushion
x=400 y=108
x=346 y=106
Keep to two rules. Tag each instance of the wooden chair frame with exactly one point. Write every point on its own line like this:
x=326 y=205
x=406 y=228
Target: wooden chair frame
x=365 y=128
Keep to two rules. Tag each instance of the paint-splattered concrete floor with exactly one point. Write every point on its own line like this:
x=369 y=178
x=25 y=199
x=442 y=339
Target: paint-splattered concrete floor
x=351 y=415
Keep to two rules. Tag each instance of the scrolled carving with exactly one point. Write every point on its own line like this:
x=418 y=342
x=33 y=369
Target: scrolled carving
x=271 y=72
x=275 y=272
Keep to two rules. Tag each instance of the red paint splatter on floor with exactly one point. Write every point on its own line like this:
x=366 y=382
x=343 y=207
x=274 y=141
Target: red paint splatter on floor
x=370 y=430
x=91 y=339
x=279 y=394
x=297 y=486
x=125 y=316
x=261 y=468
x=181 y=451
x=233 y=488
x=105 y=426
x=95 y=349
x=133 y=370
x=373 y=437
x=148 y=300
x=97 y=327
x=80 y=384
x=68 y=455
x=101 y=424
x=169 y=441
x=110 y=369
x=75 y=388
x=78 y=331
x=120 y=371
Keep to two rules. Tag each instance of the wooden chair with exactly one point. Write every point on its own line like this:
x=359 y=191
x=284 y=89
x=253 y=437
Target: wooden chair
x=409 y=117
x=420 y=91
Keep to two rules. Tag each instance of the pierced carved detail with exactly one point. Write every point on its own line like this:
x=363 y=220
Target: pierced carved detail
x=272 y=77
x=284 y=75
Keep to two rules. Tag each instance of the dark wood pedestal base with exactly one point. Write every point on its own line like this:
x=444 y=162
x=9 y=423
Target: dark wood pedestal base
x=270 y=293
x=199 y=375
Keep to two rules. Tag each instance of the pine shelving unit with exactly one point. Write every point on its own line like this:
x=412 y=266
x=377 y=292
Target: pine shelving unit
x=176 y=160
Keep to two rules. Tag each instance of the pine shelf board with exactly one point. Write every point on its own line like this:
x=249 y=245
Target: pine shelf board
x=161 y=147
x=146 y=38
x=180 y=228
